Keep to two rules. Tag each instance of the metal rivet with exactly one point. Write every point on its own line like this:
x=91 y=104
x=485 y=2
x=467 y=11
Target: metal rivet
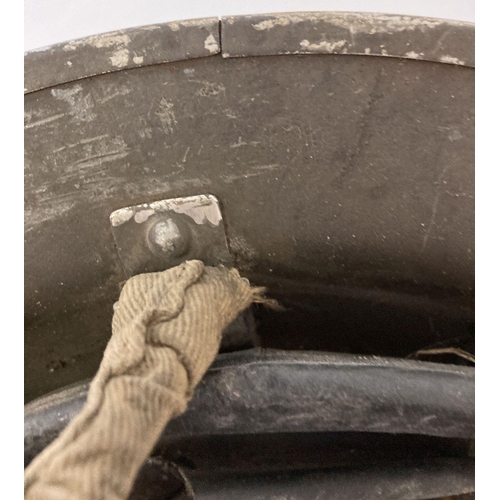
x=168 y=238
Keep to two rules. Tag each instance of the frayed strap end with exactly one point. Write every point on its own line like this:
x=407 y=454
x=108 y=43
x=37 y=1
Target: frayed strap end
x=258 y=297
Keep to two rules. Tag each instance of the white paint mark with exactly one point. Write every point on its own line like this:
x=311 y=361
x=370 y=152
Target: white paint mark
x=323 y=45
x=121 y=216
x=108 y=40
x=451 y=60
x=413 y=55
x=208 y=22
x=113 y=39
x=367 y=50
x=120 y=58
x=174 y=26
x=143 y=215
x=355 y=23
x=201 y=209
x=70 y=46
x=271 y=23
x=211 y=44
x=138 y=59
x=69 y=63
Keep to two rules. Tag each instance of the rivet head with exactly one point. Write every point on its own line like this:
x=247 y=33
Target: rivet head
x=168 y=238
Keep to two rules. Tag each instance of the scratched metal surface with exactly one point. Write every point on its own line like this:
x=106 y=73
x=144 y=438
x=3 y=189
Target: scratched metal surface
x=350 y=173
x=424 y=39
x=119 y=50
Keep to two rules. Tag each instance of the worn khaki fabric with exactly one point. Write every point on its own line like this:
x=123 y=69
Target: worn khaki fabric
x=166 y=332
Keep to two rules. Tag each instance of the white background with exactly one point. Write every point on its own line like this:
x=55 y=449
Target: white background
x=51 y=21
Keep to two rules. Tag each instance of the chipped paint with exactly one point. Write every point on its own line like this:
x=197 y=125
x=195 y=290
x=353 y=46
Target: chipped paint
x=120 y=58
x=138 y=59
x=323 y=45
x=174 y=26
x=451 y=60
x=211 y=44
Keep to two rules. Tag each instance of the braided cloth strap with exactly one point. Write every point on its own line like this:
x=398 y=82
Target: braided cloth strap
x=166 y=332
